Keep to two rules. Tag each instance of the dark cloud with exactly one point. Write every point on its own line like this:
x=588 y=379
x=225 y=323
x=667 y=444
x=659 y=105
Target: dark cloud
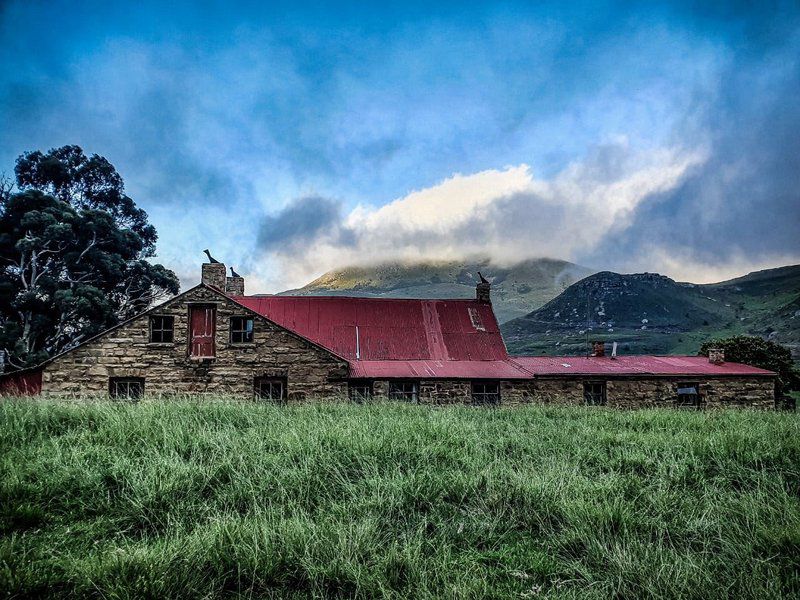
x=304 y=220
x=744 y=201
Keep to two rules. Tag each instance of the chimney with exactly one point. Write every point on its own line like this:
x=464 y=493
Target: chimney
x=213 y=274
x=234 y=285
x=483 y=291
x=614 y=350
x=598 y=348
x=716 y=356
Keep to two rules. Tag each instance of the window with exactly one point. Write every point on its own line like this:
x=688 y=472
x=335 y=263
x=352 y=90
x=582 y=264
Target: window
x=271 y=389
x=360 y=391
x=129 y=388
x=162 y=329
x=485 y=393
x=594 y=393
x=688 y=395
x=241 y=330
x=404 y=390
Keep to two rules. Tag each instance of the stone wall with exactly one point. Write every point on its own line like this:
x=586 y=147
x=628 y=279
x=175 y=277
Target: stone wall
x=641 y=392
x=740 y=392
x=167 y=368
x=458 y=391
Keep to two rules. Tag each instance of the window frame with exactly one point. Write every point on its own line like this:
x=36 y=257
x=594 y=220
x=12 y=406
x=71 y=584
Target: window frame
x=153 y=330
x=484 y=397
x=404 y=396
x=364 y=384
x=692 y=404
x=272 y=381
x=243 y=331
x=591 y=397
x=114 y=384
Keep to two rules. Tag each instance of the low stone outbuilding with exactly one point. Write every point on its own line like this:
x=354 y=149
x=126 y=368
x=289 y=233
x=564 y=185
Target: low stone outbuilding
x=215 y=340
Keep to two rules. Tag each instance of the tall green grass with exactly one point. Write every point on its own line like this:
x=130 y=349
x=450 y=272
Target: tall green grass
x=199 y=499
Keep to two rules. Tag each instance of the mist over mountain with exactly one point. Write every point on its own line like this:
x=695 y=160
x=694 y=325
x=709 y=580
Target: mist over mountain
x=516 y=289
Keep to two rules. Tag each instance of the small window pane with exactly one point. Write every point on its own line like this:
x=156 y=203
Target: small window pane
x=594 y=393
x=271 y=389
x=486 y=393
x=407 y=391
x=360 y=391
x=162 y=329
x=129 y=388
x=241 y=330
x=688 y=395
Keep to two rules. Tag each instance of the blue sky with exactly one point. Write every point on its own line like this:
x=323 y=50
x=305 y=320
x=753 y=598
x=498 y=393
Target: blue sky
x=293 y=139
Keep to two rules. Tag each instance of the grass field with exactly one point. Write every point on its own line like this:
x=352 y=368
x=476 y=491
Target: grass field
x=197 y=499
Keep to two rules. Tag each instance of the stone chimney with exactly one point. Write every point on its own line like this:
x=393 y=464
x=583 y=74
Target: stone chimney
x=598 y=348
x=234 y=285
x=213 y=274
x=483 y=291
x=716 y=356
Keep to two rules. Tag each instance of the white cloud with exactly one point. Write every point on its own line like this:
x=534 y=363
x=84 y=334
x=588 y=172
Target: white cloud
x=507 y=214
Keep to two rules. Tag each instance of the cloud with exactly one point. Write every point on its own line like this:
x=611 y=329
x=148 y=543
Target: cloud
x=658 y=137
x=301 y=222
x=507 y=214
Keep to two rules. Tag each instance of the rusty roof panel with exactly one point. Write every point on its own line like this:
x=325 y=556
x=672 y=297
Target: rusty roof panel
x=388 y=329
x=436 y=369
x=632 y=365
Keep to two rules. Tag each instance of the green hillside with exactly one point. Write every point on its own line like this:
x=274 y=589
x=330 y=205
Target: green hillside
x=650 y=313
x=516 y=289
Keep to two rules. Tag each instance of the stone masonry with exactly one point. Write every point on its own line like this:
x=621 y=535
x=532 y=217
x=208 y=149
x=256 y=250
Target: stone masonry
x=125 y=351
x=653 y=392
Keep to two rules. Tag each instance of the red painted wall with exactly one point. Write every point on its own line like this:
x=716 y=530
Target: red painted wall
x=28 y=383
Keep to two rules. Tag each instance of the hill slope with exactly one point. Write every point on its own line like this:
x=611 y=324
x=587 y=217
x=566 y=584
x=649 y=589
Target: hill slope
x=516 y=289
x=650 y=313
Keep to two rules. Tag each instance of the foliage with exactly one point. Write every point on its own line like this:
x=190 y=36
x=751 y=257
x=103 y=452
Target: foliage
x=197 y=499
x=758 y=352
x=73 y=250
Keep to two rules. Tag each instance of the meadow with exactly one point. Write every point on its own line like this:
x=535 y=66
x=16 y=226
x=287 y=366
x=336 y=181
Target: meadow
x=190 y=498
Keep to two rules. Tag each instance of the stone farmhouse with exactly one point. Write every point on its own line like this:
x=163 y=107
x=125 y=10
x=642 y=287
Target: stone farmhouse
x=213 y=339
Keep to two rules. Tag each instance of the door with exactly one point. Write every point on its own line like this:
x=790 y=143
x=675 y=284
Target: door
x=202 y=327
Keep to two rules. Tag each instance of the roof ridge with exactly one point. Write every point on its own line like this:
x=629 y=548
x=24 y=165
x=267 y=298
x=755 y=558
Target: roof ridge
x=335 y=297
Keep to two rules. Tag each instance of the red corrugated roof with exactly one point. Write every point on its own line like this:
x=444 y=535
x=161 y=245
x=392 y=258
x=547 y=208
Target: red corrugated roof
x=396 y=338
x=388 y=329
x=441 y=369
x=632 y=365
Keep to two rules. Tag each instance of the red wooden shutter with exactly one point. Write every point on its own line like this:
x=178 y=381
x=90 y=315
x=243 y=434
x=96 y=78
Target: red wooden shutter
x=203 y=323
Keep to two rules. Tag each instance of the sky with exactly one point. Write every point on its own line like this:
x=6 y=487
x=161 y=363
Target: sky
x=293 y=138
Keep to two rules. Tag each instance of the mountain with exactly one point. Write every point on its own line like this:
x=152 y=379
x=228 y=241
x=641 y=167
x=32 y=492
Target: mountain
x=516 y=289
x=651 y=313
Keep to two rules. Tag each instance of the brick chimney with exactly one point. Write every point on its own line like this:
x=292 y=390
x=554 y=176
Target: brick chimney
x=234 y=285
x=213 y=274
x=716 y=356
x=598 y=348
x=483 y=291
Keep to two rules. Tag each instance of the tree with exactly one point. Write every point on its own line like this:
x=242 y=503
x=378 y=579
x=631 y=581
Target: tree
x=73 y=250
x=758 y=352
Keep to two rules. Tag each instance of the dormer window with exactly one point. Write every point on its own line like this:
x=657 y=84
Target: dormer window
x=241 y=330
